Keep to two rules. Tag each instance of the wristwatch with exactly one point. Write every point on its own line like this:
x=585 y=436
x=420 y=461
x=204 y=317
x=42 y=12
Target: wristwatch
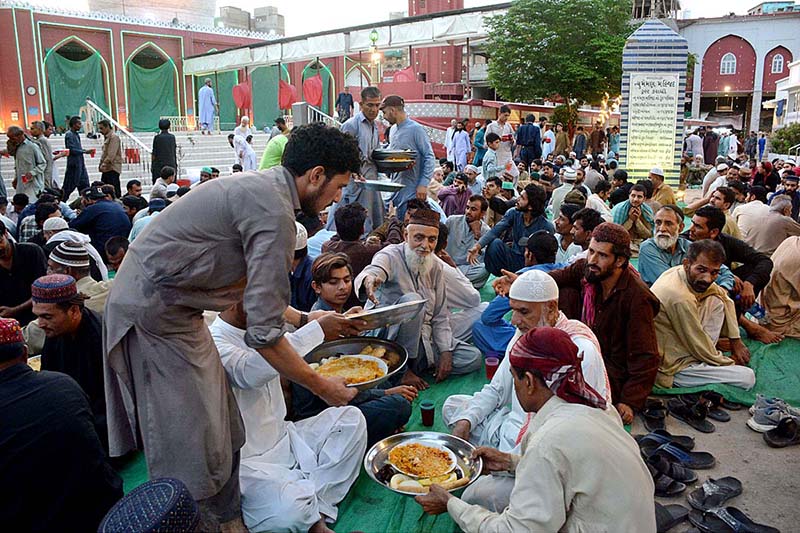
x=303 y=319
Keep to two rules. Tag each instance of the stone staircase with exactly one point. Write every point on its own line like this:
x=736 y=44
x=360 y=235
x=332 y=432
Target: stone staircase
x=194 y=152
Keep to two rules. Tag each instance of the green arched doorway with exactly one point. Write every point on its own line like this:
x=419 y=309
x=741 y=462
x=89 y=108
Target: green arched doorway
x=328 y=84
x=75 y=72
x=152 y=87
x=264 y=82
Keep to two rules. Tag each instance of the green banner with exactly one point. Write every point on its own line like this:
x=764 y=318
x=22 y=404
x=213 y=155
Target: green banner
x=151 y=95
x=71 y=83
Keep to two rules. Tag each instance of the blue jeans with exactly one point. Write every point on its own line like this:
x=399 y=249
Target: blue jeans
x=499 y=257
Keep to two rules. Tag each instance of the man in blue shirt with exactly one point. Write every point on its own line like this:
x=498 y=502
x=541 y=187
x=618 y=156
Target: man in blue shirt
x=492 y=333
x=530 y=138
x=101 y=219
x=76 y=175
x=521 y=221
x=668 y=249
x=303 y=295
x=408 y=135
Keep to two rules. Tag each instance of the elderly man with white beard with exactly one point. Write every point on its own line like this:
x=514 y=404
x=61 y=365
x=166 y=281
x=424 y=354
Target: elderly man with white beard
x=410 y=271
x=668 y=249
x=485 y=418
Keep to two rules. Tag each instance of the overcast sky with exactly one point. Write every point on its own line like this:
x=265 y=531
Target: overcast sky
x=308 y=16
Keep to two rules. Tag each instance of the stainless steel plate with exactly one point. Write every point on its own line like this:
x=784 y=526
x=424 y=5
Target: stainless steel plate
x=383 y=186
x=378 y=456
x=391 y=314
x=394 y=155
x=354 y=345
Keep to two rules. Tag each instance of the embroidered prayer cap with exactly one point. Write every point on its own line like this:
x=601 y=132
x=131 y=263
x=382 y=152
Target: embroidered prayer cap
x=425 y=217
x=301 y=237
x=205 y=170
x=53 y=289
x=55 y=224
x=70 y=254
x=570 y=175
x=10 y=331
x=160 y=505
x=722 y=167
x=473 y=168
x=507 y=185
x=551 y=352
x=791 y=177
x=534 y=286
x=657 y=171
x=616 y=235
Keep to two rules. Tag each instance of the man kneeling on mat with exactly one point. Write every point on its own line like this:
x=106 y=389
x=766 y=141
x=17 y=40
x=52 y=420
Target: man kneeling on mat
x=579 y=470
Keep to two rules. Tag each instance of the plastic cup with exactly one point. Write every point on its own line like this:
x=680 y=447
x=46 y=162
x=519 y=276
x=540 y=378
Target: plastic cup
x=491 y=367
x=426 y=409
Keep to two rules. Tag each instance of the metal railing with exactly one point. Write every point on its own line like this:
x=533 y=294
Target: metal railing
x=187 y=123
x=136 y=156
x=314 y=114
x=795 y=149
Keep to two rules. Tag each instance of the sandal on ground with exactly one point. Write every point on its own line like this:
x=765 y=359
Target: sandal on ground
x=669 y=516
x=662 y=436
x=672 y=469
x=694 y=415
x=727 y=520
x=654 y=415
x=786 y=433
x=720 y=400
x=714 y=493
x=665 y=485
x=712 y=401
x=693 y=460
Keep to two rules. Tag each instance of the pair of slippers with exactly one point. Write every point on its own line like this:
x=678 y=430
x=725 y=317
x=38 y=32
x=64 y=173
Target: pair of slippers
x=727 y=520
x=696 y=409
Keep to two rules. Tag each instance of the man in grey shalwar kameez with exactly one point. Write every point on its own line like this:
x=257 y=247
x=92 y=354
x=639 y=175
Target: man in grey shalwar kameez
x=409 y=135
x=409 y=271
x=236 y=241
x=363 y=127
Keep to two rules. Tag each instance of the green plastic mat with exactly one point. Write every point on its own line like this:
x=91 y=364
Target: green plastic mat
x=777 y=368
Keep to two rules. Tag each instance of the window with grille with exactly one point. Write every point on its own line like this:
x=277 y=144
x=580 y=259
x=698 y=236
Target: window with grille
x=728 y=64
x=777 y=64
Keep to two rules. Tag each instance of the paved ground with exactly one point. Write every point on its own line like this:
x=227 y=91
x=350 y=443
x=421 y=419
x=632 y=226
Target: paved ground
x=770 y=477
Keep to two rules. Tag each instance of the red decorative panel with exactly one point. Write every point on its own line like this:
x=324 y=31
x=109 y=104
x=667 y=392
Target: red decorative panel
x=742 y=80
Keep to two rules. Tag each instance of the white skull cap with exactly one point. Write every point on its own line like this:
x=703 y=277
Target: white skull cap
x=534 y=286
x=301 y=240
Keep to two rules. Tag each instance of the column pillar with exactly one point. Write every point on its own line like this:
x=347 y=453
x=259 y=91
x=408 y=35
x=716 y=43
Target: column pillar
x=697 y=84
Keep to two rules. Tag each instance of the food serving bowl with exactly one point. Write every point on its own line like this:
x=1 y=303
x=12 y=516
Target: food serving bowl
x=354 y=346
x=377 y=459
x=390 y=315
x=393 y=155
x=389 y=167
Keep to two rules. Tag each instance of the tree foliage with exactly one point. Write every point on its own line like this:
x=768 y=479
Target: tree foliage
x=566 y=115
x=569 y=48
x=785 y=138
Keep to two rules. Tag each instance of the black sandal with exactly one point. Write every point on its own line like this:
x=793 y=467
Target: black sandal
x=669 y=516
x=714 y=492
x=694 y=415
x=654 y=415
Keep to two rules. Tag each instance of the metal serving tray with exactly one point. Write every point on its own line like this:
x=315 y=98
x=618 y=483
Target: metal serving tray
x=353 y=346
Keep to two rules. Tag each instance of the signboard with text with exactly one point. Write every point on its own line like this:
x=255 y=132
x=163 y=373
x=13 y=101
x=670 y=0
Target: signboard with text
x=652 y=120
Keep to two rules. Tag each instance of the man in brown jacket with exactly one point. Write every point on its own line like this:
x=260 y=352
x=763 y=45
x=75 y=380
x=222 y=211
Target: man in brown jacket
x=621 y=314
x=111 y=159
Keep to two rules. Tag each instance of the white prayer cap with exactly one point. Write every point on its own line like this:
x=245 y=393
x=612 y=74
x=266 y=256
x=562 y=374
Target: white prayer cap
x=245 y=118
x=570 y=174
x=722 y=167
x=55 y=224
x=534 y=286
x=657 y=171
x=472 y=168
x=301 y=240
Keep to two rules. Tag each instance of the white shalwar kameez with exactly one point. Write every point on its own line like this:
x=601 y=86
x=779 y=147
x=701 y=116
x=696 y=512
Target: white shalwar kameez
x=494 y=413
x=290 y=472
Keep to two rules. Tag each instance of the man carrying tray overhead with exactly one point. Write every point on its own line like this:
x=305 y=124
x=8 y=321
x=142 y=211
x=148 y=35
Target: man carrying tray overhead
x=411 y=271
x=237 y=244
x=578 y=469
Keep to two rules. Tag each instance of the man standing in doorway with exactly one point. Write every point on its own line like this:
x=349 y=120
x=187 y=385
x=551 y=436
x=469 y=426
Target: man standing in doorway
x=209 y=107
x=111 y=159
x=362 y=126
x=238 y=250
x=76 y=176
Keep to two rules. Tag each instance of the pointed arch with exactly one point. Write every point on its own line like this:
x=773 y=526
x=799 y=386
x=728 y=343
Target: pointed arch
x=87 y=46
x=163 y=54
x=130 y=64
x=362 y=74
